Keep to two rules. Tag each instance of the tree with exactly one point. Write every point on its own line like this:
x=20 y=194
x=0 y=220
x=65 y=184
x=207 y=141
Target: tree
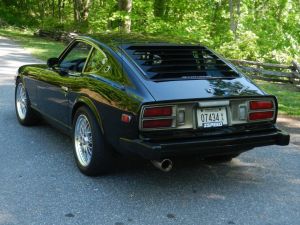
x=81 y=12
x=234 y=8
x=248 y=29
x=125 y=6
x=160 y=8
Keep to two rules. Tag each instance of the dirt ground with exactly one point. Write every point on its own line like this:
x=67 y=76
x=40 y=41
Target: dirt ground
x=292 y=126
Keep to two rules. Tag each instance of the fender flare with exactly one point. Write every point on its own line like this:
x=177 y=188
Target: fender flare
x=85 y=101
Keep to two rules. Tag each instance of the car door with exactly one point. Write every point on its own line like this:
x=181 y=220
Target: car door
x=53 y=88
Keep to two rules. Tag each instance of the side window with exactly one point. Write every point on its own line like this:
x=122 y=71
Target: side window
x=75 y=59
x=104 y=65
x=96 y=63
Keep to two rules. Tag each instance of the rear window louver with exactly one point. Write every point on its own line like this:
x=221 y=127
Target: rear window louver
x=185 y=62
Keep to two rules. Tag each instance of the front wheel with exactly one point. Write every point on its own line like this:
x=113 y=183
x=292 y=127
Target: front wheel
x=25 y=114
x=93 y=156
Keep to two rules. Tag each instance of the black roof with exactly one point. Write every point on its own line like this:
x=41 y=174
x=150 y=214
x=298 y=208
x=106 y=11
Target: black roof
x=165 y=57
x=114 y=39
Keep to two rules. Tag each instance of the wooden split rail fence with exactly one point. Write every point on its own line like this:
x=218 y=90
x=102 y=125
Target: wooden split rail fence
x=270 y=72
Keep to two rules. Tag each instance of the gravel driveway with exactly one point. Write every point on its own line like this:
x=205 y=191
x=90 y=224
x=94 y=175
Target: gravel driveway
x=40 y=184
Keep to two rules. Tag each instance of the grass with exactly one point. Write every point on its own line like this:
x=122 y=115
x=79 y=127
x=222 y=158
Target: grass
x=40 y=48
x=288 y=96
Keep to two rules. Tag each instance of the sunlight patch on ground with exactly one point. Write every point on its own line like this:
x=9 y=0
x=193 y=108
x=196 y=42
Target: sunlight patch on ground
x=215 y=196
x=236 y=162
x=6 y=218
x=290 y=122
x=294 y=181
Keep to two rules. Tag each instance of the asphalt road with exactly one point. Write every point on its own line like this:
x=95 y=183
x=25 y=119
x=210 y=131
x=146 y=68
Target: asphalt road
x=40 y=184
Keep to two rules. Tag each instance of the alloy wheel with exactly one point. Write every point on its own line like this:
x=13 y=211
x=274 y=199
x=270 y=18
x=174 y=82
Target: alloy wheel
x=21 y=99
x=83 y=140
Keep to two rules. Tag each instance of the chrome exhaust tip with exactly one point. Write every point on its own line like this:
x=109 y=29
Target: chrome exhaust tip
x=164 y=165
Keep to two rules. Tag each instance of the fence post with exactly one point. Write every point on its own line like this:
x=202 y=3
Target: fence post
x=296 y=72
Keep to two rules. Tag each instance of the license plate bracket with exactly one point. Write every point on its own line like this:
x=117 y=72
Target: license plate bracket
x=212 y=117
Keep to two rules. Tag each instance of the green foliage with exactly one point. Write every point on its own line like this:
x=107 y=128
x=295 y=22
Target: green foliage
x=245 y=47
x=288 y=97
x=265 y=30
x=40 y=48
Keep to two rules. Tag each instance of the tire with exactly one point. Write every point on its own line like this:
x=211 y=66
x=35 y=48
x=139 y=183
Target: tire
x=93 y=156
x=25 y=114
x=221 y=158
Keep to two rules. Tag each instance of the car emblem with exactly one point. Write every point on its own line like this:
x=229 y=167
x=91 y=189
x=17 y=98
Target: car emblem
x=239 y=91
x=209 y=90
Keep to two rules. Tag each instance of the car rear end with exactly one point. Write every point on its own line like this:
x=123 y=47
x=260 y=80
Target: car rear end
x=202 y=106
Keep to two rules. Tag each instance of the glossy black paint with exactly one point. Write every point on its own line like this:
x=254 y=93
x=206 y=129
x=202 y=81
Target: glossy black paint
x=56 y=94
x=231 y=144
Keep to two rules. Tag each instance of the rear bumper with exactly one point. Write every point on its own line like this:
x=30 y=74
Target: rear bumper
x=205 y=146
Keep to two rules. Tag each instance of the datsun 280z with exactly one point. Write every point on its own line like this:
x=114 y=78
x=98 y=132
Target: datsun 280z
x=158 y=99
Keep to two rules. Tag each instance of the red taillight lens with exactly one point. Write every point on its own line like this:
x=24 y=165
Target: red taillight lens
x=261 y=115
x=157 y=123
x=158 y=111
x=255 y=105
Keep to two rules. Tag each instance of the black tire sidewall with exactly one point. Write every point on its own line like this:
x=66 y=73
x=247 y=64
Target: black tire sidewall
x=29 y=117
x=101 y=157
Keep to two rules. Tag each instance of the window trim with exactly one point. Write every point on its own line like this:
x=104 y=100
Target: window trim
x=100 y=47
x=69 y=49
x=106 y=79
x=89 y=58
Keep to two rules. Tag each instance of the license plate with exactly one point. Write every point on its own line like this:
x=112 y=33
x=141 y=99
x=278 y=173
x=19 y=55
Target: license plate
x=212 y=117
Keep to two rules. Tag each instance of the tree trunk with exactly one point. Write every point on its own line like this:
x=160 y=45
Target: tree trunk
x=160 y=8
x=81 y=12
x=231 y=15
x=126 y=6
x=234 y=9
x=41 y=8
x=53 y=8
x=59 y=6
x=76 y=11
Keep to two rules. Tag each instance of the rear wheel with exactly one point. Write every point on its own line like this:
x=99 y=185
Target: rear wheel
x=93 y=156
x=25 y=114
x=221 y=158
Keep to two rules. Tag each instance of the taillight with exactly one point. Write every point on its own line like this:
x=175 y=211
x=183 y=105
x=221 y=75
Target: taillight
x=158 y=111
x=261 y=110
x=261 y=115
x=255 y=105
x=161 y=123
x=158 y=117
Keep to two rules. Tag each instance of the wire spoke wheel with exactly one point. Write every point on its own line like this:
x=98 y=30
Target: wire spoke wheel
x=21 y=101
x=83 y=140
x=93 y=156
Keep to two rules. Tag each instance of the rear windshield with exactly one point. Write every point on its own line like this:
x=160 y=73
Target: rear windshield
x=180 y=62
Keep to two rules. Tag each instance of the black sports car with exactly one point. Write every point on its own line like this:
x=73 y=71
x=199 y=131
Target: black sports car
x=148 y=97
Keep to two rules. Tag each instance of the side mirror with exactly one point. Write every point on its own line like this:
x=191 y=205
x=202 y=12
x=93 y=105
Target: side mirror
x=52 y=62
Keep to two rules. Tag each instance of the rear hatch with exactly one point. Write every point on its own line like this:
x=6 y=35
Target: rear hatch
x=187 y=72
x=196 y=89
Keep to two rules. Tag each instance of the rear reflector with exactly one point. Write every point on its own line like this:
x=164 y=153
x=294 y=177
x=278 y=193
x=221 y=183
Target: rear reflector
x=157 y=123
x=261 y=115
x=125 y=118
x=255 y=105
x=158 y=111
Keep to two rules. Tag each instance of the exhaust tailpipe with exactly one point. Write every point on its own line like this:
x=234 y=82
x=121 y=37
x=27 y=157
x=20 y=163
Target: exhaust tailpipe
x=164 y=165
